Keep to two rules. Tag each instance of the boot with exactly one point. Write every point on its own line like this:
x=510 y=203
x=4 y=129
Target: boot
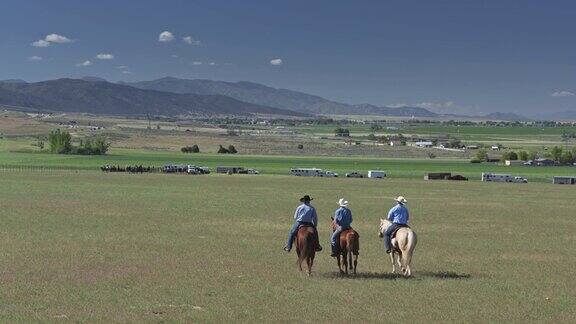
x=335 y=251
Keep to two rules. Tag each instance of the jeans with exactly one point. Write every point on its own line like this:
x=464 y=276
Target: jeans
x=335 y=240
x=294 y=230
x=388 y=235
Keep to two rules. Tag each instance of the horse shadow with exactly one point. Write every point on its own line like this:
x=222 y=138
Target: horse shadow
x=442 y=275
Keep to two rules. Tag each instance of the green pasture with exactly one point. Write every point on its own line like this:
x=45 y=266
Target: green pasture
x=471 y=133
x=279 y=165
x=89 y=246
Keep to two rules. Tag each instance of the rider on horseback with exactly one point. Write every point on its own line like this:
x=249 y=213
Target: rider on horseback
x=398 y=215
x=305 y=214
x=342 y=220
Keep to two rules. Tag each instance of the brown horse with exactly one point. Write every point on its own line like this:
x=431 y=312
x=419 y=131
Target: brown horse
x=306 y=246
x=349 y=247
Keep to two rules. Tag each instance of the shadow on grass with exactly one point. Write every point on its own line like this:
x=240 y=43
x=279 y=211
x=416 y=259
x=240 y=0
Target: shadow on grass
x=444 y=275
x=363 y=275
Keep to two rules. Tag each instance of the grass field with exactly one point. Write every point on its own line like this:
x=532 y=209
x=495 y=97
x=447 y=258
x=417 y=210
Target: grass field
x=281 y=165
x=88 y=246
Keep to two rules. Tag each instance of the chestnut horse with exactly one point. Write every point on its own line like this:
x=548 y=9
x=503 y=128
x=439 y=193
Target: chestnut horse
x=349 y=247
x=306 y=246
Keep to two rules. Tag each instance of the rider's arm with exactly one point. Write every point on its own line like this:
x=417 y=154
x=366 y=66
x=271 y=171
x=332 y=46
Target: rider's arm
x=296 y=212
x=314 y=217
x=391 y=213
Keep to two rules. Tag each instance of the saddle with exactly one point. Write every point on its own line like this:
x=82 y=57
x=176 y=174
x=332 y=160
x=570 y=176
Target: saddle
x=305 y=225
x=396 y=230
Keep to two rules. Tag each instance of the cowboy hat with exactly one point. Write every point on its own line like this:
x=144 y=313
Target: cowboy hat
x=306 y=198
x=401 y=199
x=342 y=202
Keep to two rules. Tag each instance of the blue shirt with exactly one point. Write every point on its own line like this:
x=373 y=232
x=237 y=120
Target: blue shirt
x=343 y=217
x=306 y=213
x=399 y=214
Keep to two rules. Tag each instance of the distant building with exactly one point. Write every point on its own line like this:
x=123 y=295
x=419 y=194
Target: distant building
x=423 y=144
x=495 y=148
x=472 y=147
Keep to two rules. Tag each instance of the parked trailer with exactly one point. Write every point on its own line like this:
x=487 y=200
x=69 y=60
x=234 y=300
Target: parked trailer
x=376 y=174
x=225 y=169
x=312 y=172
x=437 y=176
x=492 y=177
x=564 y=180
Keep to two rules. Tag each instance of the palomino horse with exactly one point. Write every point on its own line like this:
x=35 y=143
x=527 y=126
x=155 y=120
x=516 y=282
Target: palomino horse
x=402 y=247
x=306 y=246
x=349 y=246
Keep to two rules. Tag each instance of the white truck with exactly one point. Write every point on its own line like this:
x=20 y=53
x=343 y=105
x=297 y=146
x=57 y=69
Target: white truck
x=376 y=174
x=312 y=172
x=493 y=177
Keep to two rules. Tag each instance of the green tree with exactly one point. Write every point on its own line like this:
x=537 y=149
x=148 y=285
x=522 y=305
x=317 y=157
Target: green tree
x=342 y=132
x=482 y=155
x=511 y=155
x=523 y=155
x=222 y=150
x=60 y=142
x=556 y=153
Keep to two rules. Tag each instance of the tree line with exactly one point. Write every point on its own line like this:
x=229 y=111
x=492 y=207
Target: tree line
x=61 y=143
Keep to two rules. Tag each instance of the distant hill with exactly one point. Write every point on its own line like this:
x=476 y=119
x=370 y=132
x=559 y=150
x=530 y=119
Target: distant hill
x=505 y=117
x=279 y=98
x=13 y=81
x=101 y=97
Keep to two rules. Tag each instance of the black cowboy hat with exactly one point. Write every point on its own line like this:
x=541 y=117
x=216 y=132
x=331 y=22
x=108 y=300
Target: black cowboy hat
x=306 y=198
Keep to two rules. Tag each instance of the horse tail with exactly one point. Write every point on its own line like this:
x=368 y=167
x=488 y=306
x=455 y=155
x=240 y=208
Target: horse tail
x=410 y=245
x=349 y=256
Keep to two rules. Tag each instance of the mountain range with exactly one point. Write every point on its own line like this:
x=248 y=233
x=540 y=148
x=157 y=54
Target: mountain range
x=280 y=98
x=101 y=97
x=187 y=98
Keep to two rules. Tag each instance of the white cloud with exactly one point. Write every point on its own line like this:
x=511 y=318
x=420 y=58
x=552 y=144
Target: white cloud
x=35 y=58
x=126 y=72
x=55 y=38
x=562 y=93
x=50 y=39
x=122 y=67
x=103 y=56
x=212 y=63
x=196 y=63
x=276 y=61
x=85 y=63
x=190 y=40
x=166 y=36
x=41 y=43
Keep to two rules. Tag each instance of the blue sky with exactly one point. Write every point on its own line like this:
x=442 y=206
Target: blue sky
x=456 y=56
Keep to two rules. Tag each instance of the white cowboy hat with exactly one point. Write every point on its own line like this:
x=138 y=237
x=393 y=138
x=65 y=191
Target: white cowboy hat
x=401 y=199
x=342 y=202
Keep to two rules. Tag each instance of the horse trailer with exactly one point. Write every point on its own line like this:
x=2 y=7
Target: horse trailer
x=312 y=172
x=493 y=177
x=376 y=174
x=564 y=180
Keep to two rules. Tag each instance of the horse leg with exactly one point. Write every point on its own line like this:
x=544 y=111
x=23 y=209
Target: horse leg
x=393 y=261
x=355 y=262
x=345 y=261
x=339 y=264
x=310 y=262
x=407 y=261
